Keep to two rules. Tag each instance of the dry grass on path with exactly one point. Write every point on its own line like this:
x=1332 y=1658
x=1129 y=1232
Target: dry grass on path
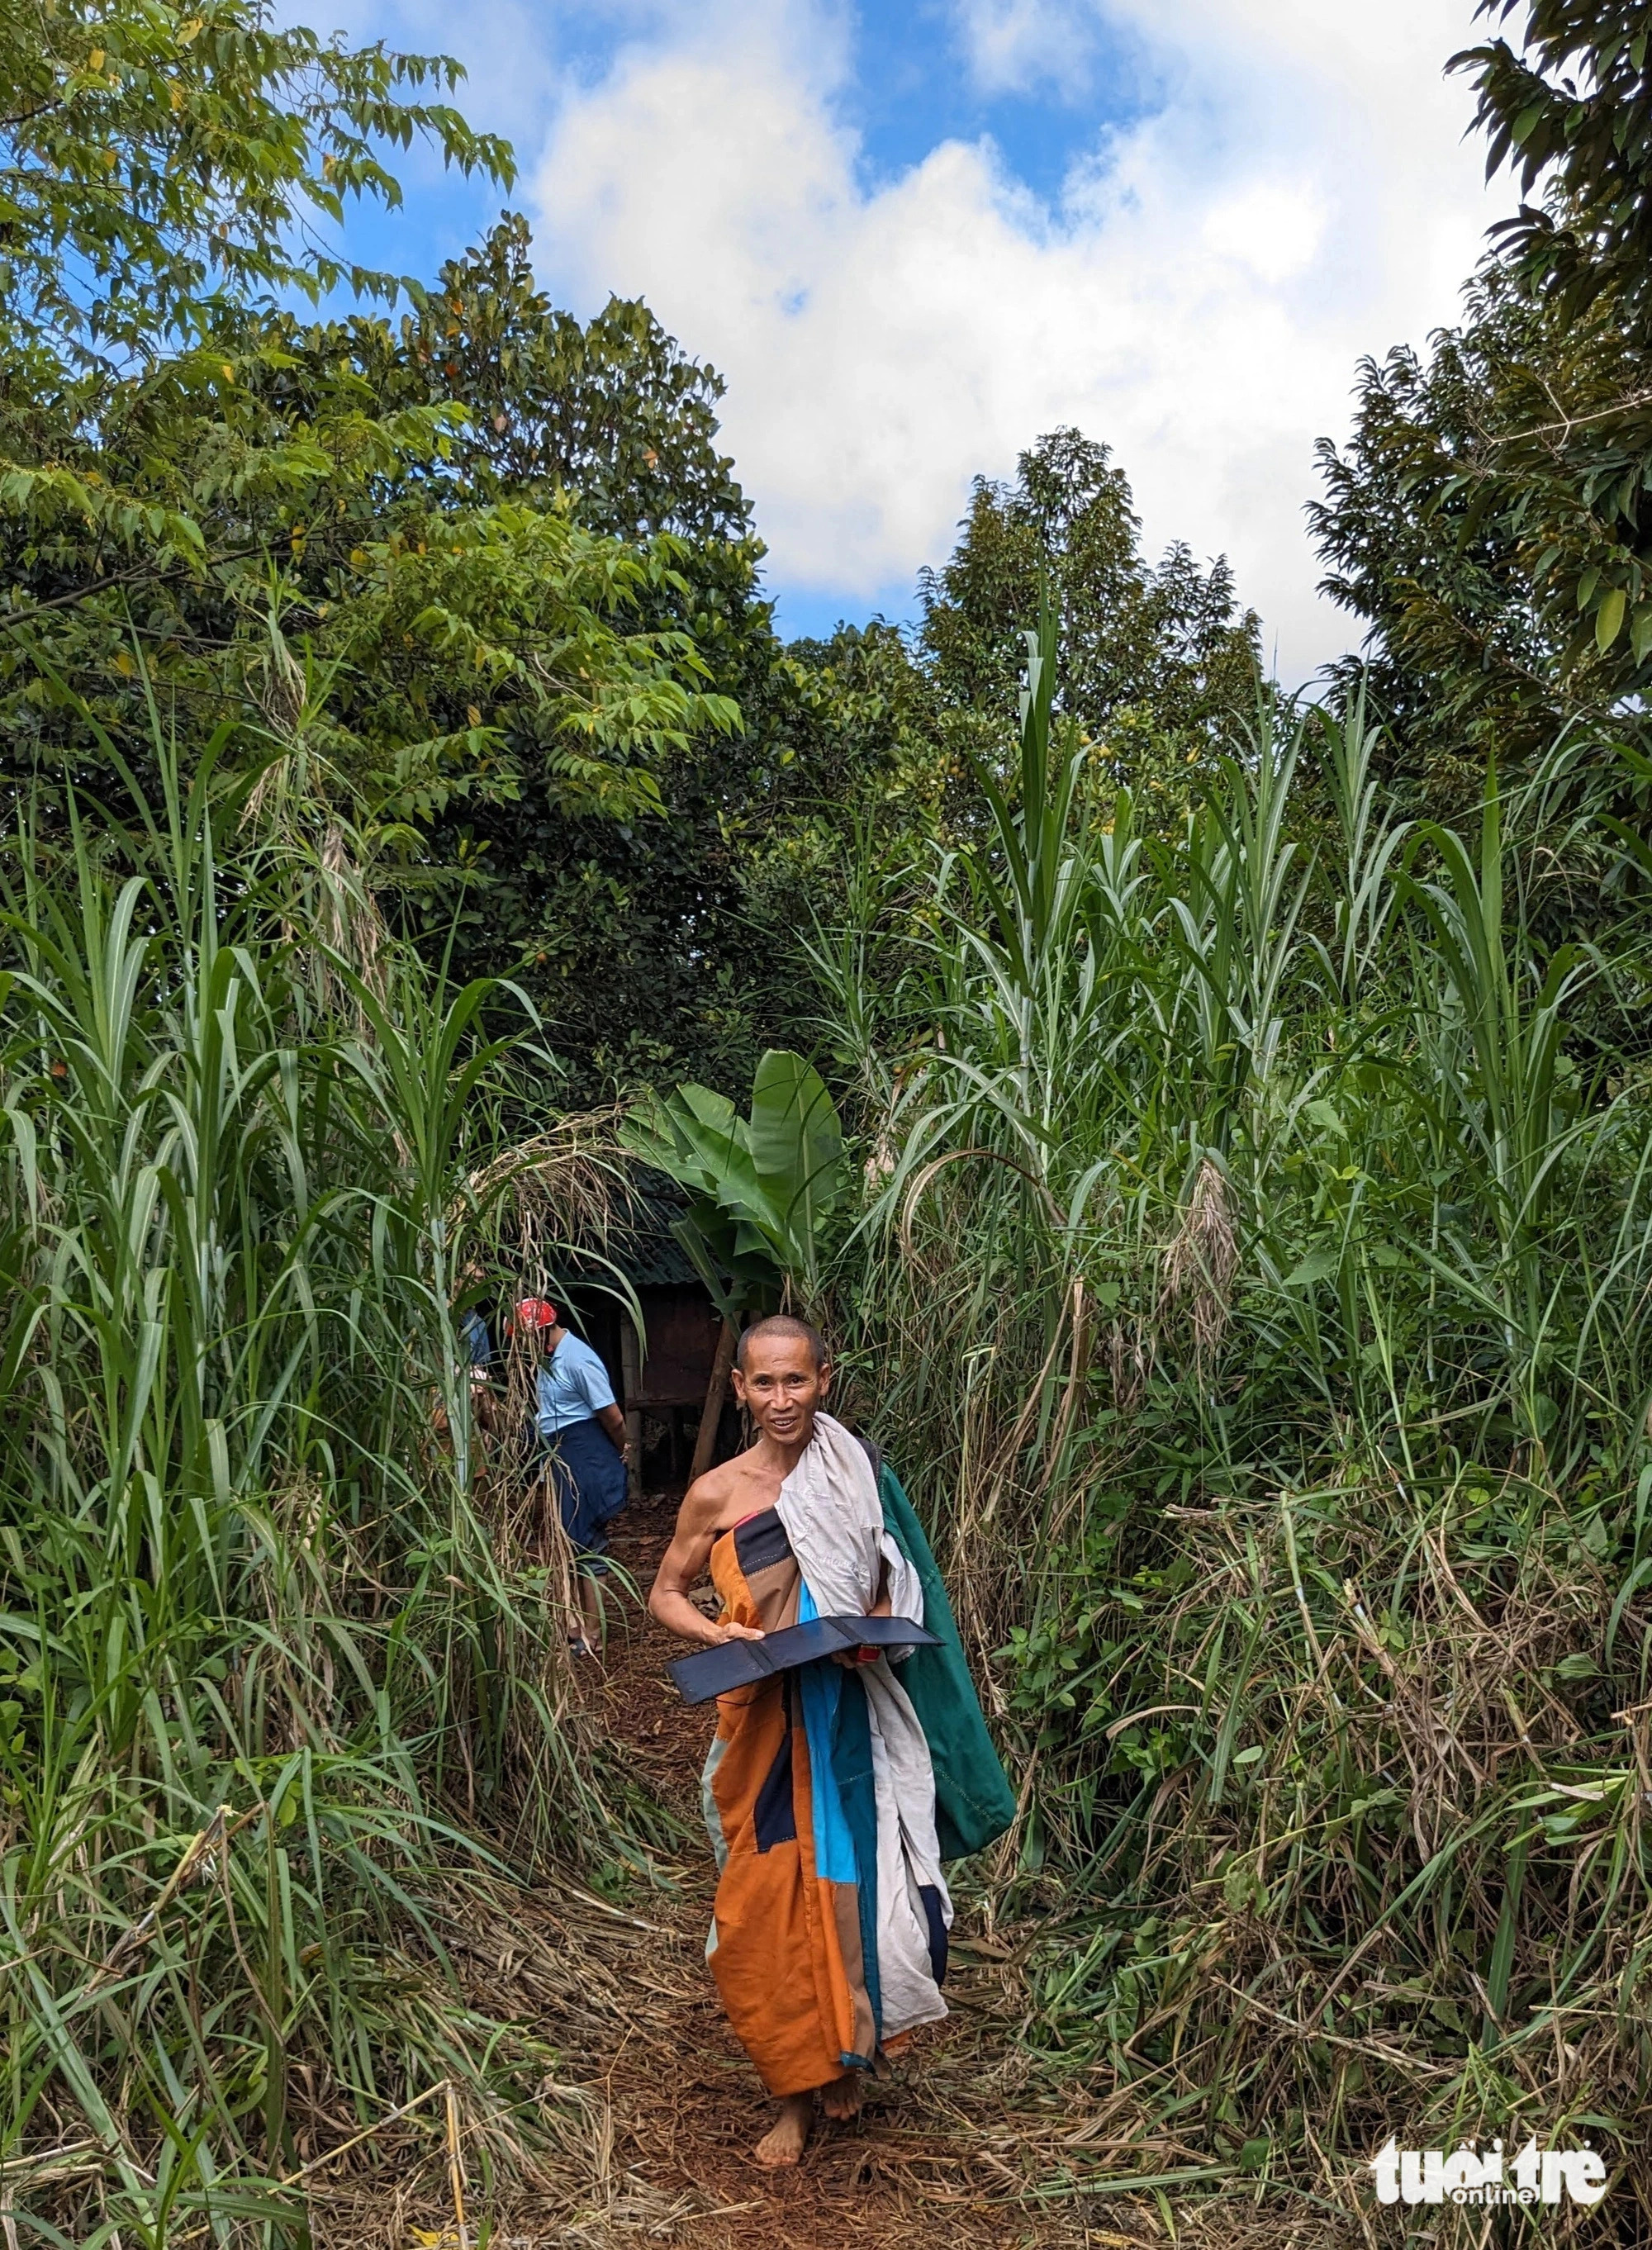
x=962 y=2150
x=957 y=2149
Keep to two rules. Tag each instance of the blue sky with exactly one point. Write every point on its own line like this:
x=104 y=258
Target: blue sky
x=913 y=87
x=914 y=236
x=911 y=84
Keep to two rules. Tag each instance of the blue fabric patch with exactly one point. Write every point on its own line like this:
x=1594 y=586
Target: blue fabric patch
x=572 y=1385
x=473 y=1331
x=852 y=1766
x=845 y=1803
x=822 y=1689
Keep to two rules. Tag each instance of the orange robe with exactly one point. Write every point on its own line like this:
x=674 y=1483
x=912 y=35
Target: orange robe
x=790 y=1941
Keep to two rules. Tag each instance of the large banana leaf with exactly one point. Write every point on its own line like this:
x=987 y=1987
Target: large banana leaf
x=760 y=1189
x=797 y=1149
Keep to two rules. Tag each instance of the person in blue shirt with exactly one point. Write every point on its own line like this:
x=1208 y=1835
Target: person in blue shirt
x=473 y=1331
x=583 y=1433
x=478 y=1347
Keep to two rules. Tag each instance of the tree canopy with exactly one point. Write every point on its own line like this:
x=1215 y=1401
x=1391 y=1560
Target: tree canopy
x=161 y=165
x=1165 y=648
x=478 y=569
x=1489 y=518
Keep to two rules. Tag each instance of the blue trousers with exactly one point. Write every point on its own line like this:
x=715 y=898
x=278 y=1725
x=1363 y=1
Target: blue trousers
x=589 y=1480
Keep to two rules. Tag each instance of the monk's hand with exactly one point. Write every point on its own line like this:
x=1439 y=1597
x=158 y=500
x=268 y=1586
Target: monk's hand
x=720 y=1633
x=880 y=1608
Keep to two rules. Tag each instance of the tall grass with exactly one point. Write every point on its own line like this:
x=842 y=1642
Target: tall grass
x=267 y=1656
x=1256 y=1286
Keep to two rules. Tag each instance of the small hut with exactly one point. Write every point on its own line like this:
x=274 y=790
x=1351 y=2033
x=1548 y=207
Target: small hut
x=662 y=1378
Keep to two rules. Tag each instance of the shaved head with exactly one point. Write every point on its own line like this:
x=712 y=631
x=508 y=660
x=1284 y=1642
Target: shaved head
x=782 y=1324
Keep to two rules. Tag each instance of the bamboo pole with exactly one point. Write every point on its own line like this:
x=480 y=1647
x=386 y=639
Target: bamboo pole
x=630 y=1368
x=711 y=1414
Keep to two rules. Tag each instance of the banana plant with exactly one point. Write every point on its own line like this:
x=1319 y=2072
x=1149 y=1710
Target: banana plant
x=761 y=1189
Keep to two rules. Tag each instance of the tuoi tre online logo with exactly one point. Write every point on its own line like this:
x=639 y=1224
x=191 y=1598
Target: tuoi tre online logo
x=1535 y=2176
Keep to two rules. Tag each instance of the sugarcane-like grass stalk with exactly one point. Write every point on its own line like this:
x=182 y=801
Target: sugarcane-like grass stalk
x=1311 y=1575
x=276 y=1695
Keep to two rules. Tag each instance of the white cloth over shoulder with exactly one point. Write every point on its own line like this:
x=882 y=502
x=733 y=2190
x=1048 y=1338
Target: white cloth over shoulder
x=834 y=1520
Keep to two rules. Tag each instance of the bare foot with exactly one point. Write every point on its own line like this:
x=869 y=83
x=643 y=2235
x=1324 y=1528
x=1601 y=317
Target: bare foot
x=785 y=2140
x=843 y=2097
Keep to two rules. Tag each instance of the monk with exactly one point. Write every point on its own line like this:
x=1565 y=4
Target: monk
x=833 y=1792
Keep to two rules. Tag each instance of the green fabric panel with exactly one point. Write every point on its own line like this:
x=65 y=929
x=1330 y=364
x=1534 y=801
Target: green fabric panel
x=973 y=1800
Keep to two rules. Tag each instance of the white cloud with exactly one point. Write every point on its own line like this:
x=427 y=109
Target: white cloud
x=1199 y=299
x=1011 y=46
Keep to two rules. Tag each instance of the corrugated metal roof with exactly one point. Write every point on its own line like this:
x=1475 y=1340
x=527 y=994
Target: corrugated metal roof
x=643 y=1249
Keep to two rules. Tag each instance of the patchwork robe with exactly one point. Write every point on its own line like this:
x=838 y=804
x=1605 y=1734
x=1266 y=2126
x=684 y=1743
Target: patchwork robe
x=832 y=1793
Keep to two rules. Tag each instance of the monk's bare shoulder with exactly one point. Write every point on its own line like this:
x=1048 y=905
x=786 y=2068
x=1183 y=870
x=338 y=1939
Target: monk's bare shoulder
x=706 y=1500
x=723 y=1497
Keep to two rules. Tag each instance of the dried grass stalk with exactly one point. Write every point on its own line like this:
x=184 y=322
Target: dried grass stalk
x=1202 y=1260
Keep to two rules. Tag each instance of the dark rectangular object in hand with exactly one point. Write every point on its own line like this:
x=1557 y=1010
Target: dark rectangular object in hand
x=733 y=1664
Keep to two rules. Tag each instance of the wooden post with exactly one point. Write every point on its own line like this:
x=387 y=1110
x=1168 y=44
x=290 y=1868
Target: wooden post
x=706 y=1443
x=630 y=1375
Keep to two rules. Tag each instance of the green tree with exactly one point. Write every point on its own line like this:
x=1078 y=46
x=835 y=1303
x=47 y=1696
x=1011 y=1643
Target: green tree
x=1573 y=110
x=1488 y=519
x=613 y=412
x=431 y=650
x=627 y=923
x=1461 y=659
x=161 y=164
x=658 y=937
x=1147 y=650
x=481 y=631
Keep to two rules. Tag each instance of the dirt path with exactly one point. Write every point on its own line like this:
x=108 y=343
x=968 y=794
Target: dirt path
x=958 y=2150
x=930 y=2148
x=645 y=2120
